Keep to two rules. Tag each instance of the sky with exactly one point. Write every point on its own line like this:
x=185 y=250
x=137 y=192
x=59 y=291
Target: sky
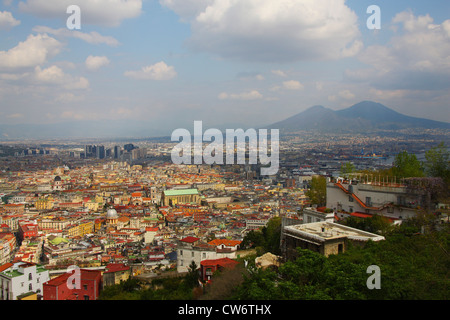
x=228 y=63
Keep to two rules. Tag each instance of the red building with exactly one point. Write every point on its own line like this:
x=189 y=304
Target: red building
x=208 y=267
x=27 y=230
x=68 y=287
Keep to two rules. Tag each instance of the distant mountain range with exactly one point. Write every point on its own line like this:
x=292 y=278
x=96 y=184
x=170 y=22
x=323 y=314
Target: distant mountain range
x=364 y=116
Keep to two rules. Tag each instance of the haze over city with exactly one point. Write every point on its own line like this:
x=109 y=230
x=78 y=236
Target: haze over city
x=150 y=67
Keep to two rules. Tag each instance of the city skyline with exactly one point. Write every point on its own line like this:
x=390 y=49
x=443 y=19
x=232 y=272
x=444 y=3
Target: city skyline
x=237 y=63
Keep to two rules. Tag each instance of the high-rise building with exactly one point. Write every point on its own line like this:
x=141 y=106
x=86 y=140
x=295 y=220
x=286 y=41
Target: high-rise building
x=117 y=152
x=100 y=152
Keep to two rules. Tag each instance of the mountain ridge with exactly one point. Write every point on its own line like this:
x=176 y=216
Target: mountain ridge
x=360 y=117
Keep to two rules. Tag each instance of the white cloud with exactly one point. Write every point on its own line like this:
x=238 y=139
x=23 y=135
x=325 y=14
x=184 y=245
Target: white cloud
x=293 y=85
x=346 y=94
x=250 y=95
x=91 y=37
x=7 y=20
x=51 y=75
x=15 y=116
x=158 y=71
x=186 y=9
x=54 y=75
x=417 y=57
x=267 y=30
x=98 y=12
x=35 y=50
x=93 y=63
x=279 y=73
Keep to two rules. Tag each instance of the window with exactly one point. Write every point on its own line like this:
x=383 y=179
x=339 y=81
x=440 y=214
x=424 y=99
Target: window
x=86 y=297
x=85 y=286
x=181 y=252
x=30 y=287
x=30 y=276
x=192 y=253
x=369 y=201
x=350 y=198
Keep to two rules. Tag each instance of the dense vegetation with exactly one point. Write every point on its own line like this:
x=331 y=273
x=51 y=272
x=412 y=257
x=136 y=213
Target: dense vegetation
x=413 y=266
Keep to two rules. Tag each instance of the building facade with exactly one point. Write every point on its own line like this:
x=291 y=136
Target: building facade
x=20 y=278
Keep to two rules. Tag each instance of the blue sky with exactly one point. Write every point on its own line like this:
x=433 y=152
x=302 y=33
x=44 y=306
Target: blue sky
x=230 y=63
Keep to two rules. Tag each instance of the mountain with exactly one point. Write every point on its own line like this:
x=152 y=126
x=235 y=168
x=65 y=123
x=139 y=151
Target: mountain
x=361 y=117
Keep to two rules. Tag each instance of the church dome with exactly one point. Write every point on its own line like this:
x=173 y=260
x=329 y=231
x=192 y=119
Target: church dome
x=57 y=178
x=112 y=214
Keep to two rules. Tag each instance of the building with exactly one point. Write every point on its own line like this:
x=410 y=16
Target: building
x=323 y=237
x=172 y=197
x=208 y=267
x=316 y=215
x=58 y=184
x=112 y=218
x=21 y=278
x=387 y=199
x=191 y=249
x=115 y=273
x=78 y=284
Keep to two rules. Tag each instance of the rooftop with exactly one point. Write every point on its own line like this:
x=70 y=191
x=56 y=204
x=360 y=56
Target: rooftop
x=323 y=231
x=181 y=192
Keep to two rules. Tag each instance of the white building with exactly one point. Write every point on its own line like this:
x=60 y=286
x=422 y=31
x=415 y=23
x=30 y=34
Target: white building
x=390 y=200
x=311 y=215
x=20 y=278
x=191 y=249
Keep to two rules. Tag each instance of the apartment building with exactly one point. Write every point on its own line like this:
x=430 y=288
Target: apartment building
x=387 y=199
x=20 y=278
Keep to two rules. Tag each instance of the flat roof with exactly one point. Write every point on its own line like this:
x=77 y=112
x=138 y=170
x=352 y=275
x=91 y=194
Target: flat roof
x=323 y=231
x=181 y=192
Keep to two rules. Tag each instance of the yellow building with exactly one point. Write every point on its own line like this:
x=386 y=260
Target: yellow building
x=44 y=203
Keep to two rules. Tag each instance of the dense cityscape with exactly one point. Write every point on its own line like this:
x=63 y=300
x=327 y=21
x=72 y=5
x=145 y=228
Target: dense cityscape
x=213 y=158
x=126 y=212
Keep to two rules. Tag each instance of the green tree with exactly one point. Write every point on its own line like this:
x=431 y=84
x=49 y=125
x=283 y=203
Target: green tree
x=347 y=168
x=272 y=233
x=437 y=162
x=253 y=239
x=317 y=192
x=406 y=165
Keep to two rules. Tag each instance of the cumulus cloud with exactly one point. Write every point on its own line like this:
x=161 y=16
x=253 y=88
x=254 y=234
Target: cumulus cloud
x=93 y=63
x=158 y=71
x=250 y=95
x=7 y=20
x=293 y=85
x=54 y=75
x=91 y=37
x=280 y=73
x=416 y=58
x=273 y=31
x=99 y=12
x=35 y=50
